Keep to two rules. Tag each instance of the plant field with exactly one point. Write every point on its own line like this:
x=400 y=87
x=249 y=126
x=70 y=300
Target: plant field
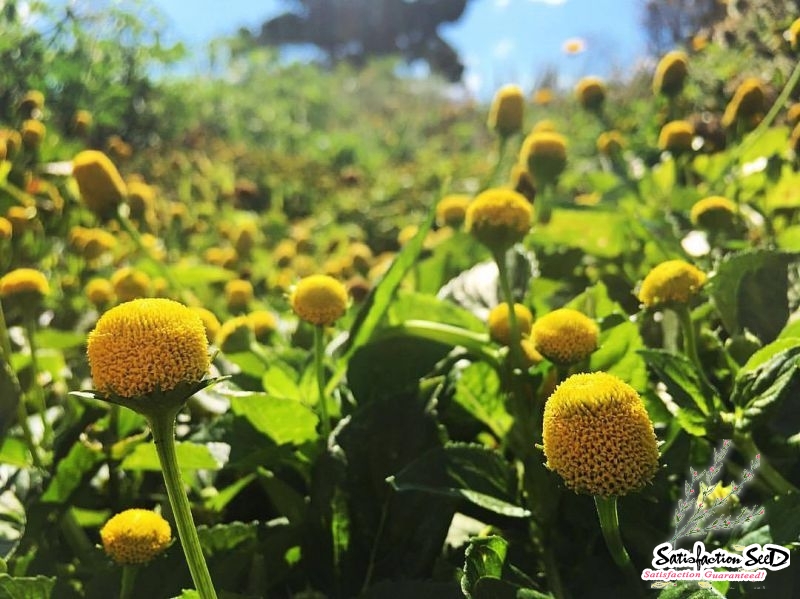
x=257 y=341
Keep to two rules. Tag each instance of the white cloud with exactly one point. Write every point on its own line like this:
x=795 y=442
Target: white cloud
x=550 y=2
x=500 y=4
x=503 y=48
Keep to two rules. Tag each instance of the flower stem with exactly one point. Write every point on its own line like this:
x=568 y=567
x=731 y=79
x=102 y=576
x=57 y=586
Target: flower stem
x=163 y=429
x=129 y=572
x=508 y=297
x=476 y=343
x=774 y=479
x=502 y=144
x=609 y=525
x=322 y=401
x=36 y=389
x=690 y=347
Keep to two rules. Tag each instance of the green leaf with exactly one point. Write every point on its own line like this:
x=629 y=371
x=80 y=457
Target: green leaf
x=280 y=381
x=494 y=588
x=39 y=587
x=191 y=456
x=568 y=228
x=619 y=355
x=54 y=339
x=680 y=376
x=750 y=291
x=479 y=475
x=14 y=452
x=772 y=141
x=79 y=464
x=767 y=378
x=192 y=275
x=10 y=395
x=12 y=523
x=478 y=392
x=689 y=590
x=784 y=525
x=282 y=420
x=419 y=589
x=484 y=557
x=420 y=306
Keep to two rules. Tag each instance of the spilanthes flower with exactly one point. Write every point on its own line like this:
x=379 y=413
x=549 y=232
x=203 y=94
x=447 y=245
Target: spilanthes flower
x=452 y=210
x=673 y=281
x=507 y=111
x=22 y=218
x=6 y=229
x=793 y=114
x=235 y=335
x=146 y=346
x=97 y=242
x=238 y=294
x=793 y=35
x=135 y=536
x=319 y=299
x=670 y=74
x=130 y=284
x=100 y=292
x=499 y=326
x=499 y=218
x=81 y=122
x=406 y=234
x=543 y=97
x=522 y=181
x=359 y=257
x=284 y=252
x=210 y=321
x=573 y=45
x=545 y=154
x=610 y=143
x=33 y=132
x=676 y=137
x=565 y=336
x=24 y=282
x=715 y=213
x=31 y=101
x=530 y=356
x=13 y=141
x=101 y=186
x=748 y=102
x=598 y=437
x=591 y=93
x=263 y=323
x=245 y=238
x=544 y=125
x=225 y=257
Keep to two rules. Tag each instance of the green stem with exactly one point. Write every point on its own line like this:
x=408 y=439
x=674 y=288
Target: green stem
x=774 y=479
x=502 y=144
x=129 y=573
x=36 y=389
x=690 y=347
x=609 y=525
x=322 y=401
x=163 y=429
x=476 y=343
x=75 y=536
x=508 y=296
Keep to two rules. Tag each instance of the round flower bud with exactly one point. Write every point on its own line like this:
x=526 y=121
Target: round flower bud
x=31 y=102
x=238 y=294
x=507 y=111
x=671 y=74
x=101 y=186
x=591 y=93
x=452 y=210
x=674 y=281
x=359 y=257
x=6 y=229
x=598 y=437
x=748 y=101
x=130 y=284
x=499 y=326
x=543 y=97
x=210 y=321
x=146 y=346
x=235 y=335
x=245 y=238
x=319 y=299
x=284 y=252
x=135 y=536
x=793 y=114
x=565 y=336
x=499 y=218
x=714 y=213
x=793 y=35
x=530 y=357
x=81 y=122
x=32 y=133
x=141 y=198
x=100 y=292
x=610 y=143
x=24 y=282
x=263 y=323
x=545 y=153
x=676 y=137
x=96 y=243
x=13 y=141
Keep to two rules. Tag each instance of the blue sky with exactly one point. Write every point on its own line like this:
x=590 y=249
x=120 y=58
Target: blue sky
x=501 y=41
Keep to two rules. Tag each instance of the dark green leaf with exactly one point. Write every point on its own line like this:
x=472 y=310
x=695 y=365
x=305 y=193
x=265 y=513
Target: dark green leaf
x=750 y=291
x=191 y=456
x=78 y=464
x=494 y=588
x=479 y=475
x=784 y=525
x=485 y=556
x=689 y=590
x=38 y=587
x=767 y=378
x=419 y=306
x=282 y=420
x=54 y=339
x=412 y=588
x=10 y=394
x=681 y=379
x=478 y=392
x=12 y=523
x=619 y=354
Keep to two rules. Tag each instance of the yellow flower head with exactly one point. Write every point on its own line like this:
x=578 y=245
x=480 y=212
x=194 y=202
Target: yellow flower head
x=135 y=536
x=210 y=322
x=284 y=252
x=32 y=133
x=100 y=292
x=499 y=326
x=141 y=198
x=130 y=284
x=99 y=182
x=13 y=140
x=671 y=73
x=22 y=218
x=545 y=154
x=676 y=137
x=81 y=122
x=225 y=257
x=406 y=234
x=319 y=299
x=235 y=335
x=31 y=101
x=674 y=281
x=714 y=213
x=238 y=294
x=26 y=282
x=499 y=218
x=530 y=356
x=598 y=437
x=749 y=100
x=507 y=111
x=263 y=323
x=793 y=34
x=610 y=143
x=97 y=242
x=543 y=96
x=145 y=346
x=793 y=114
x=359 y=257
x=565 y=336
x=544 y=125
x=245 y=238
x=522 y=181
x=452 y=210
x=6 y=229
x=591 y=92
